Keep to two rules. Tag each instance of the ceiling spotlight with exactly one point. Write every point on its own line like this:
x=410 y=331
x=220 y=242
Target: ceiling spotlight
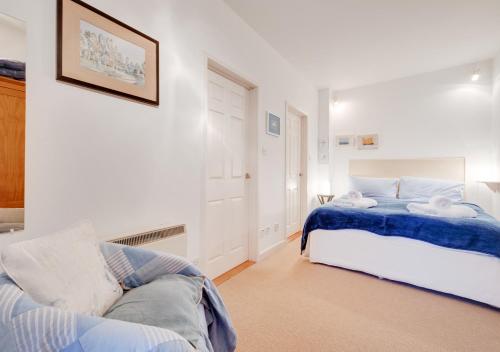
x=475 y=75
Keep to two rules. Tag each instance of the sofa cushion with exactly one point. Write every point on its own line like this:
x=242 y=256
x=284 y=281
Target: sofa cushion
x=65 y=270
x=169 y=302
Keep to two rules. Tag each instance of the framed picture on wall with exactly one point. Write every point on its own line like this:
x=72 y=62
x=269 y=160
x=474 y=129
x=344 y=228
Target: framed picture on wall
x=346 y=141
x=273 y=124
x=368 y=141
x=96 y=51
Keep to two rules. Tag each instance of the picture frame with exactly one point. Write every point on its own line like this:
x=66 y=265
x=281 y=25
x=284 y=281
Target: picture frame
x=97 y=51
x=344 y=141
x=368 y=141
x=273 y=124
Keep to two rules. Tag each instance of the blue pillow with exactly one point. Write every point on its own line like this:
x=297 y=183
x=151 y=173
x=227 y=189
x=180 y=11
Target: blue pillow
x=425 y=188
x=170 y=302
x=374 y=186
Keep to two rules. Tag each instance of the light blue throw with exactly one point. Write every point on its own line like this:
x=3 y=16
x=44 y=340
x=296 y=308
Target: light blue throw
x=26 y=326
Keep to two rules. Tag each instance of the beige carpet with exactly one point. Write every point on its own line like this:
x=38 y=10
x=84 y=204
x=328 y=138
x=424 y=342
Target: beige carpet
x=285 y=303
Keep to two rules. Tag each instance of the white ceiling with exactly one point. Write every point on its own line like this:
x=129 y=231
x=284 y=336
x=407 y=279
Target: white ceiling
x=349 y=43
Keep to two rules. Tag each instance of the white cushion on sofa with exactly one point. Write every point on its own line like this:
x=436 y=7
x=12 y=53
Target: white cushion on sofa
x=65 y=270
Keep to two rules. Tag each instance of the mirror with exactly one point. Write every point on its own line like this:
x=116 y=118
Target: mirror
x=12 y=122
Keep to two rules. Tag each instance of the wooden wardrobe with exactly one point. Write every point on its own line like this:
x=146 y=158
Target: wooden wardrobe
x=12 y=139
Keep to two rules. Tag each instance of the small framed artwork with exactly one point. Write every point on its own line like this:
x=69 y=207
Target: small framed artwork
x=346 y=141
x=273 y=124
x=368 y=141
x=96 y=51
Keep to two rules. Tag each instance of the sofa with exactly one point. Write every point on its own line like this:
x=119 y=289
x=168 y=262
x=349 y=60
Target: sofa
x=28 y=326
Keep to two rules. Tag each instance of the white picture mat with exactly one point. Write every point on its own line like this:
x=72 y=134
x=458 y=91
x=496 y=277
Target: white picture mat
x=340 y=138
x=271 y=121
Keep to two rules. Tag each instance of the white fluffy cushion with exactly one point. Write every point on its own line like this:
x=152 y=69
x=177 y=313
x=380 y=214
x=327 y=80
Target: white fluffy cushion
x=426 y=188
x=66 y=270
x=374 y=187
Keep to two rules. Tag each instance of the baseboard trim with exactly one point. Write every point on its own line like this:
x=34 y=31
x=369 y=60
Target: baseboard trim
x=267 y=252
x=219 y=280
x=294 y=236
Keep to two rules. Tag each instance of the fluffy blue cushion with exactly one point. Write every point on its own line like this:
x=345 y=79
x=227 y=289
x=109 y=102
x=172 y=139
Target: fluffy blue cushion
x=169 y=302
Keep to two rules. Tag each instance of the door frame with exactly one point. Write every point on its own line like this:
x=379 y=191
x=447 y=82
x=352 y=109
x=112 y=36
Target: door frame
x=213 y=64
x=304 y=162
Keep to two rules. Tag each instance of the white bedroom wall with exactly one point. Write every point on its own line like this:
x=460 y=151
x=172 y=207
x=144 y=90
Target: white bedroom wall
x=496 y=132
x=12 y=38
x=437 y=114
x=324 y=141
x=128 y=166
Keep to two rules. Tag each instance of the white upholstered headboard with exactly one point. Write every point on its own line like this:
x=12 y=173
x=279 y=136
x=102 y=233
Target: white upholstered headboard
x=440 y=168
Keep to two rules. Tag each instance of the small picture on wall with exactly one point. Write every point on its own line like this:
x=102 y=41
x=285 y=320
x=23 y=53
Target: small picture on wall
x=273 y=124
x=96 y=51
x=368 y=141
x=346 y=141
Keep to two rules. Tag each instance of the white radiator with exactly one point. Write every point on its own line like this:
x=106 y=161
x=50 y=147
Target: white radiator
x=169 y=239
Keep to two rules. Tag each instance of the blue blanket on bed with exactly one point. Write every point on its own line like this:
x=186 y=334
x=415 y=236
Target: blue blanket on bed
x=391 y=218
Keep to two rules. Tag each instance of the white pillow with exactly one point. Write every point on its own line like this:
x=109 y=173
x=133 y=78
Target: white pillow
x=65 y=270
x=374 y=187
x=426 y=188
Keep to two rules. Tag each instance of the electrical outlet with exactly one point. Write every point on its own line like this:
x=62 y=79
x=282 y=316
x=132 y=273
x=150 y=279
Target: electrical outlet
x=262 y=233
x=276 y=227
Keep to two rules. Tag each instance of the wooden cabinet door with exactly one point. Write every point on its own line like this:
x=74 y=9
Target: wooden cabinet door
x=12 y=139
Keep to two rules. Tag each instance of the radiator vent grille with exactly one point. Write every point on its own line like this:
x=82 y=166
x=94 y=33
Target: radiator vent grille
x=150 y=236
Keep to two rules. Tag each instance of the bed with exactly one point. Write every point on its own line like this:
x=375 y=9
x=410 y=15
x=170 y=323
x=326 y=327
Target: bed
x=454 y=256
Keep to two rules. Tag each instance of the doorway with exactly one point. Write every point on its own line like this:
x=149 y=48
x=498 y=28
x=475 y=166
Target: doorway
x=296 y=170
x=229 y=186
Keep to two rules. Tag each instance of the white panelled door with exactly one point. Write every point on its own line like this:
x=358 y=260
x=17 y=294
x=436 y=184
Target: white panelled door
x=226 y=244
x=293 y=173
